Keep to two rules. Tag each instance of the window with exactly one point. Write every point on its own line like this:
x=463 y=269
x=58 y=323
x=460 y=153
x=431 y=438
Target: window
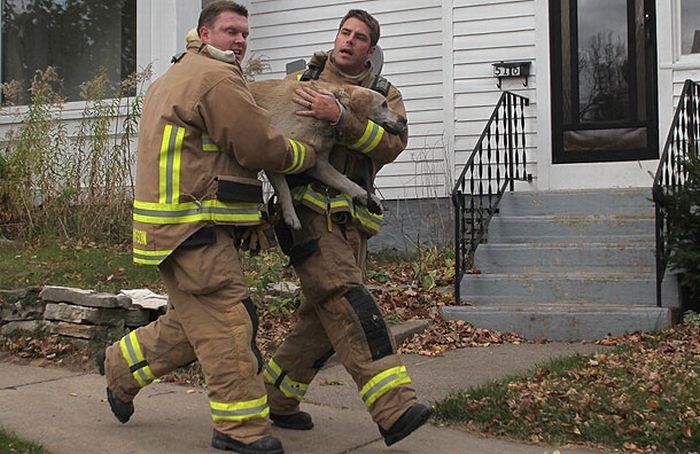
x=78 y=37
x=690 y=27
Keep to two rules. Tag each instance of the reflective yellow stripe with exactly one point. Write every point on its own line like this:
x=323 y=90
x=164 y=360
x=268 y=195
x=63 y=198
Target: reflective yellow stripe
x=169 y=164
x=383 y=382
x=299 y=76
x=163 y=162
x=208 y=144
x=370 y=139
x=145 y=257
x=247 y=213
x=372 y=223
x=239 y=411
x=289 y=387
x=132 y=353
x=299 y=157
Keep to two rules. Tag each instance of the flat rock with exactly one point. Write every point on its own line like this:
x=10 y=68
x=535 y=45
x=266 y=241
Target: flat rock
x=78 y=331
x=21 y=305
x=29 y=326
x=95 y=316
x=87 y=298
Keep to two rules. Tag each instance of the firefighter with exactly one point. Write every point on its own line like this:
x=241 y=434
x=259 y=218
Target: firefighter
x=329 y=252
x=196 y=195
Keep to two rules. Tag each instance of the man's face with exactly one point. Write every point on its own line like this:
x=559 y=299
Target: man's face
x=228 y=32
x=352 y=46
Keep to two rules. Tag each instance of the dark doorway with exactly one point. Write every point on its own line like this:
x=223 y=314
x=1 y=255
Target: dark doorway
x=603 y=80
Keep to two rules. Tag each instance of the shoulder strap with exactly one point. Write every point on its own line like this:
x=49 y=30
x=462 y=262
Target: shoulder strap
x=177 y=57
x=312 y=73
x=381 y=85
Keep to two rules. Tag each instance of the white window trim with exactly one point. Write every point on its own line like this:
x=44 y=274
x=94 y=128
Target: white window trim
x=680 y=61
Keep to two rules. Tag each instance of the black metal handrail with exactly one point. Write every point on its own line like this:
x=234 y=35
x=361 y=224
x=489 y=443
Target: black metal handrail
x=499 y=158
x=681 y=142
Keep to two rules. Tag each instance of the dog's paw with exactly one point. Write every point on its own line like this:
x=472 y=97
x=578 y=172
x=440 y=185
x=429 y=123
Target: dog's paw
x=292 y=221
x=375 y=205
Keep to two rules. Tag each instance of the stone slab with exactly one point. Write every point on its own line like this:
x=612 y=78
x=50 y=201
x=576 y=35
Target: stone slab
x=94 y=315
x=21 y=304
x=87 y=298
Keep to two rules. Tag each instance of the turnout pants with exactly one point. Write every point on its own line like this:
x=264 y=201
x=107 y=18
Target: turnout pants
x=338 y=315
x=212 y=320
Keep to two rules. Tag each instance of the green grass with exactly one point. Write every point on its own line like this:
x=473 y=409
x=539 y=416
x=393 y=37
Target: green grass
x=10 y=444
x=643 y=394
x=102 y=268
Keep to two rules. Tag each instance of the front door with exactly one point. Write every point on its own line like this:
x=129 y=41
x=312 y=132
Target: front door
x=603 y=80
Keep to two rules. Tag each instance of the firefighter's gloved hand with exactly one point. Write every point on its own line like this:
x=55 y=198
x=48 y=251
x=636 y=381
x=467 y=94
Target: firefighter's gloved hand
x=256 y=239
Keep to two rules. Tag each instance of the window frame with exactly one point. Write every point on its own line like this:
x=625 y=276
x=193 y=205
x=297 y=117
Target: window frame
x=691 y=60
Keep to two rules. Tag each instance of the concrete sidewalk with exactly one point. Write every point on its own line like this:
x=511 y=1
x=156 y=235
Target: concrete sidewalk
x=67 y=412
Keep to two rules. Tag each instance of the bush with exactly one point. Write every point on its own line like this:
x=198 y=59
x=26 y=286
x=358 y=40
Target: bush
x=683 y=234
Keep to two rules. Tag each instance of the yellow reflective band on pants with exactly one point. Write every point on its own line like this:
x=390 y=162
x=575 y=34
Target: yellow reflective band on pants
x=371 y=223
x=286 y=385
x=299 y=152
x=370 y=139
x=242 y=213
x=145 y=257
x=383 y=382
x=132 y=353
x=239 y=411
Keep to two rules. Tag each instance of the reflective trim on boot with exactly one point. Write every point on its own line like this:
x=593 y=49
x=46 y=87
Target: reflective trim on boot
x=412 y=419
x=383 y=382
x=300 y=420
x=278 y=378
x=132 y=353
x=239 y=411
x=265 y=445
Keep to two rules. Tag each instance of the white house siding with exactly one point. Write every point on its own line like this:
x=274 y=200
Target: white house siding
x=412 y=40
x=486 y=32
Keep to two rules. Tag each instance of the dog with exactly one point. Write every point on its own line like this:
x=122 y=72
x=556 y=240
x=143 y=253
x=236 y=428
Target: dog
x=276 y=97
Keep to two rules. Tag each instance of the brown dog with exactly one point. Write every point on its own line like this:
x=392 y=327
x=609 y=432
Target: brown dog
x=276 y=97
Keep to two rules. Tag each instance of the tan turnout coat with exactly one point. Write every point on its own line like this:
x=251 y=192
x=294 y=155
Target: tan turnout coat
x=202 y=134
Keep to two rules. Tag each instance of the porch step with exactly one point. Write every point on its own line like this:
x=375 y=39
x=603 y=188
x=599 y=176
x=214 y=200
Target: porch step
x=554 y=257
x=613 y=202
x=563 y=228
x=572 y=288
x=562 y=322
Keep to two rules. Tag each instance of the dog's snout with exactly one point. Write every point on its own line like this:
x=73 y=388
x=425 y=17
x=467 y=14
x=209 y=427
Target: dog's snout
x=402 y=122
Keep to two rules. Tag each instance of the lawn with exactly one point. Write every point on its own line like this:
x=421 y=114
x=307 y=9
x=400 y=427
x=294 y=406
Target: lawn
x=11 y=444
x=643 y=395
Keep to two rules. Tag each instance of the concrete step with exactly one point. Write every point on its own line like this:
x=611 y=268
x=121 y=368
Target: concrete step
x=569 y=257
x=617 y=202
x=594 y=228
x=566 y=288
x=563 y=323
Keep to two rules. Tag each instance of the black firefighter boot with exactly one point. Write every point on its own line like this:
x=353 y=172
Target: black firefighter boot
x=266 y=445
x=412 y=419
x=300 y=420
x=122 y=410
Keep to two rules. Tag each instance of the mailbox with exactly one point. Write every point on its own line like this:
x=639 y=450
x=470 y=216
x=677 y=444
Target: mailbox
x=511 y=69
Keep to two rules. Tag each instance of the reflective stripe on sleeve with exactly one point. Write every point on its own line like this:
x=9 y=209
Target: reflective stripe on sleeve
x=275 y=376
x=208 y=144
x=132 y=353
x=383 y=382
x=299 y=152
x=239 y=411
x=370 y=139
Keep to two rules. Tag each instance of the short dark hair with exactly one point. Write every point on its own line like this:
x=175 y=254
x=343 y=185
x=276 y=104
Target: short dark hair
x=212 y=11
x=368 y=19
